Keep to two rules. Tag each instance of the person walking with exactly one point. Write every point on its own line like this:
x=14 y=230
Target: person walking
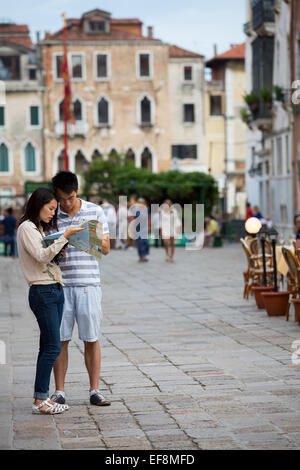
x=82 y=288
x=249 y=212
x=122 y=226
x=155 y=226
x=46 y=297
x=170 y=227
x=9 y=223
x=141 y=226
x=257 y=213
x=111 y=217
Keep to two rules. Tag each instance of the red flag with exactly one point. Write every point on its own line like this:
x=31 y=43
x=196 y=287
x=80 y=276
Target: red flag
x=67 y=104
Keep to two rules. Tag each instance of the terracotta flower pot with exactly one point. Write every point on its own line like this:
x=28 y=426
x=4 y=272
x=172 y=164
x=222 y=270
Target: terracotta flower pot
x=257 y=293
x=276 y=303
x=296 y=303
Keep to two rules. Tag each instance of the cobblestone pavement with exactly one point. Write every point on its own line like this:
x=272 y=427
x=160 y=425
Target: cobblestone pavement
x=186 y=361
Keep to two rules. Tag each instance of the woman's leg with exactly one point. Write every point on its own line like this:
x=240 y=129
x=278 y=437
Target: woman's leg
x=166 y=247
x=172 y=240
x=45 y=302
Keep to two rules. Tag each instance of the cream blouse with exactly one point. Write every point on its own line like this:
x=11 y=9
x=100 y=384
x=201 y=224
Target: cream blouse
x=35 y=259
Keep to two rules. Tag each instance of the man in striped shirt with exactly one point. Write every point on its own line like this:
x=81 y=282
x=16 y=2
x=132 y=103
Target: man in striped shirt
x=82 y=288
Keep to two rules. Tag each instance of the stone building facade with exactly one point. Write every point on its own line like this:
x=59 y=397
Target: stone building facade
x=225 y=131
x=21 y=113
x=186 y=92
x=120 y=93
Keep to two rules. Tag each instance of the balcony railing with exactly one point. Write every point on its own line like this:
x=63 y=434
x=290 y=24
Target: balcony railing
x=79 y=128
x=262 y=116
x=262 y=12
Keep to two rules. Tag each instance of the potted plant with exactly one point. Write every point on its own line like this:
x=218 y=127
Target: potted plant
x=296 y=303
x=278 y=93
x=245 y=116
x=258 y=290
x=276 y=303
x=252 y=100
x=266 y=96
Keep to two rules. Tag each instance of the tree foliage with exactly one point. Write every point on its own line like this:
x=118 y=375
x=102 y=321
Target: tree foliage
x=117 y=176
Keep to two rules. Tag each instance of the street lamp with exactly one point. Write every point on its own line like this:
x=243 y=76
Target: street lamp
x=253 y=225
x=273 y=237
x=263 y=233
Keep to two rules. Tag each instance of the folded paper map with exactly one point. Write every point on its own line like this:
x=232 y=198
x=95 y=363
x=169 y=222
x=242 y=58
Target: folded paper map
x=89 y=240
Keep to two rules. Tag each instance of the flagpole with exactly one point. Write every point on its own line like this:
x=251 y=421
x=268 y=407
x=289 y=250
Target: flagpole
x=66 y=160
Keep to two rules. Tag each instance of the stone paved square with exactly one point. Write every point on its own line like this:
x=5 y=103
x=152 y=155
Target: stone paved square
x=186 y=361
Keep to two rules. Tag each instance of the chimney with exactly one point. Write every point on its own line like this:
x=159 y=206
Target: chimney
x=47 y=34
x=37 y=37
x=150 y=31
x=215 y=50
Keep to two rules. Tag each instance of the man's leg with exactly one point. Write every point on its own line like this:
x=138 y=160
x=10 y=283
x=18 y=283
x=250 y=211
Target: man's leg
x=61 y=366
x=92 y=357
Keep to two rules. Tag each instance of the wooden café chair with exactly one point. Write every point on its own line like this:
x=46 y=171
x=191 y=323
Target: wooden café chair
x=254 y=274
x=293 y=275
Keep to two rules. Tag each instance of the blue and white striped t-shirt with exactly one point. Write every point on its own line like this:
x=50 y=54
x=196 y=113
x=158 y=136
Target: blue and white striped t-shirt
x=79 y=268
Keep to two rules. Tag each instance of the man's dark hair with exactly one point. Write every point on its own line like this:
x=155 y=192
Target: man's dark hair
x=9 y=211
x=66 y=181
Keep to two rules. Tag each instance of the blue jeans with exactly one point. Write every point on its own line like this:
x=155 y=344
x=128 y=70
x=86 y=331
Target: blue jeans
x=142 y=247
x=46 y=301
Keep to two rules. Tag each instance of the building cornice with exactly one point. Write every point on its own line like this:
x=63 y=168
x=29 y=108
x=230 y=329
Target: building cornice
x=48 y=42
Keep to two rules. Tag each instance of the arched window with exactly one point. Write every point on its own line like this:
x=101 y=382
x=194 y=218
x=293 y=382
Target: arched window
x=96 y=155
x=61 y=161
x=130 y=156
x=81 y=163
x=147 y=159
x=103 y=111
x=61 y=110
x=145 y=111
x=30 y=163
x=4 y=161
x=77 y=108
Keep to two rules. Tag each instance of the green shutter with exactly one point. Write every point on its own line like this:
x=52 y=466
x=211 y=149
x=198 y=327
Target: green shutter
x=2 y=120
x=3 y=158
x=30 y=158
x=34 y=115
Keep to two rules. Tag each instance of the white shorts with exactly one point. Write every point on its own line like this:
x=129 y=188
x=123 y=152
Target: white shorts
x=82 y=304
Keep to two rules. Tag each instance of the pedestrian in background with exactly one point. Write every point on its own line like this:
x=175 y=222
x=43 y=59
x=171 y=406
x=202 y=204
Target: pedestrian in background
x=256 y=212
x=155 y=226
x=111 y=217
x=9 y=223
x=170 y=227
x=142 y=229
x=122 y=227
x=249 y=212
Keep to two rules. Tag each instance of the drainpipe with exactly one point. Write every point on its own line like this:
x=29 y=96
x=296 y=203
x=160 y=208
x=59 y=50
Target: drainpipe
x=294 y=119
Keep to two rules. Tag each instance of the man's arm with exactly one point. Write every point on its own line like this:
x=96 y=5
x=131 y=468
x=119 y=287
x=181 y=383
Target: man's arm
x=105 y=244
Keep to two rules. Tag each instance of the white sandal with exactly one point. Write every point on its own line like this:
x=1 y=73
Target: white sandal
x=51 y=410
x=65 y=407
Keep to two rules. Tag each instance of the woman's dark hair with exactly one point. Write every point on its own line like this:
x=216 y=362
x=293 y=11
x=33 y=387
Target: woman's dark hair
x=66 y=181
x=36 y=202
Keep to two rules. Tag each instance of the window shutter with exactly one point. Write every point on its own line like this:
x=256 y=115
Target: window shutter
x=34 y=115
x=4 y=164
x=2 y=119
x=30 y=158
